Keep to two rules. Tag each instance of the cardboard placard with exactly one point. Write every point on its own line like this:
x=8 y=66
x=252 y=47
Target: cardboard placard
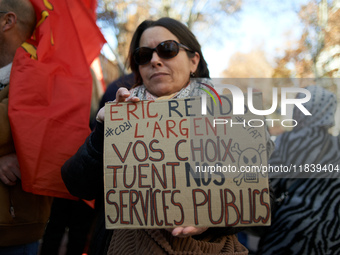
x=167 y=165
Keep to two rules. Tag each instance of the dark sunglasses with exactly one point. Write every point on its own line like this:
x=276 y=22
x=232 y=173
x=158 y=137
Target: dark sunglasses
x=3 y=12
x=166 y=50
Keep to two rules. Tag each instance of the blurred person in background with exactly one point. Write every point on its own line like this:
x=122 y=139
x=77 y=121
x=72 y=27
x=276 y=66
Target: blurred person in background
x=23 y=215
x=307 y=215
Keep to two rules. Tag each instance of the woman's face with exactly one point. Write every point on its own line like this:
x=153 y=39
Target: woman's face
x=164 y=77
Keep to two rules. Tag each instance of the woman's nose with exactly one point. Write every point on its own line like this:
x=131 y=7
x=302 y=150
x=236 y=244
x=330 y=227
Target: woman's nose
x=155 y=60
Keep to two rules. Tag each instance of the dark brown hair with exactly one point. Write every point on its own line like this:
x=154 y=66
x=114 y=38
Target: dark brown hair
x=184 y=35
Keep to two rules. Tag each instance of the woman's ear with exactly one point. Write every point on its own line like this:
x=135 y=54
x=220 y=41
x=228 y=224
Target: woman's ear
x=194 y=61
x=9 y=21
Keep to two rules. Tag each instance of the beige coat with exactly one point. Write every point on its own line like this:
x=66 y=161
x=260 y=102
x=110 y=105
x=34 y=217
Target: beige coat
x=23 y=215
x=6 y=141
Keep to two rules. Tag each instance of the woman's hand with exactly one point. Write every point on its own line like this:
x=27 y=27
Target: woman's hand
x=186 y=231
x=101 y=115
x=122 y=95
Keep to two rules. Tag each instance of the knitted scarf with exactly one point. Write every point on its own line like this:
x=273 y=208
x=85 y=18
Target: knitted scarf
x=192 y=89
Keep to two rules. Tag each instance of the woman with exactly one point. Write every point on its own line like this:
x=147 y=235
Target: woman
x=163 y=55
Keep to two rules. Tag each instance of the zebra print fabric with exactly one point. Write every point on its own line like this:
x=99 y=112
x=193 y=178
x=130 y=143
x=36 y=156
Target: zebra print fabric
x=307 y=222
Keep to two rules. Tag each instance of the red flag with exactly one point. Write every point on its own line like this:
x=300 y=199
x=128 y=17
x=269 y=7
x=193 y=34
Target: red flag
x=50 y=93
x=92 y=6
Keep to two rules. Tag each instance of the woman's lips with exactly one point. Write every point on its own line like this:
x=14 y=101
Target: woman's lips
x=155 y=75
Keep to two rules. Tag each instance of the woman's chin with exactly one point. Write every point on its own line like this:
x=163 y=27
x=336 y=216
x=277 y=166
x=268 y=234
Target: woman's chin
x=161 y=90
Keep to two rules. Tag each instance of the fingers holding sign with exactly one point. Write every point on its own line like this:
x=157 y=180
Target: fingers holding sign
x=123 y=95
x=187 y=231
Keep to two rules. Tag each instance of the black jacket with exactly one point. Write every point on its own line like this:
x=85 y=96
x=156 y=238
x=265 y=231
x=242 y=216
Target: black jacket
x=83 y=172
x=83 y=177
